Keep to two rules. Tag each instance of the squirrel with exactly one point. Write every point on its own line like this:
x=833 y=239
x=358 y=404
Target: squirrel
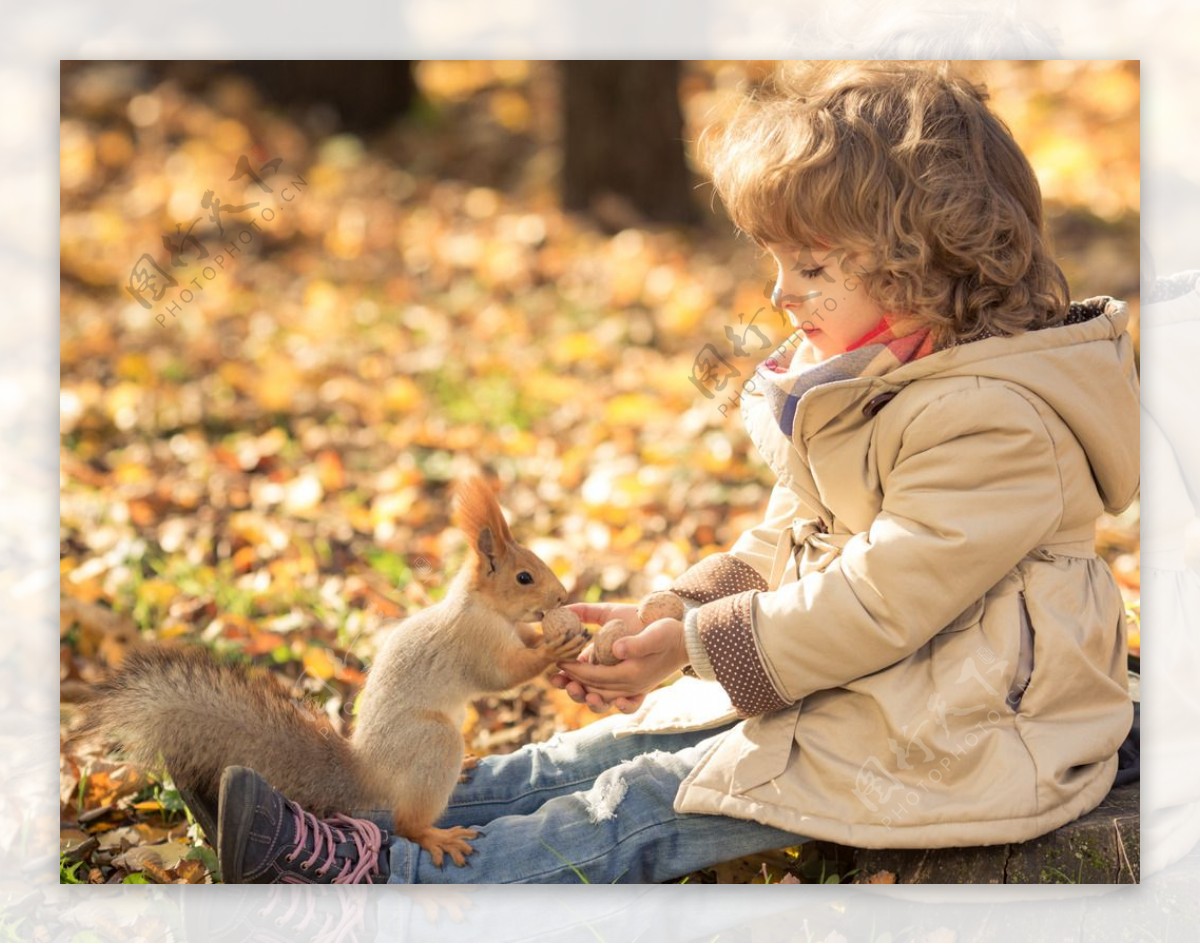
x=406 y=751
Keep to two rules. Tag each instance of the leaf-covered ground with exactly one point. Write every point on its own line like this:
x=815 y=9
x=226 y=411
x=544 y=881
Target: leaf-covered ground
x=264 y=467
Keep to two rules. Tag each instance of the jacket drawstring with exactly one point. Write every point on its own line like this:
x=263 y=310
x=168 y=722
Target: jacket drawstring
x=804 y=531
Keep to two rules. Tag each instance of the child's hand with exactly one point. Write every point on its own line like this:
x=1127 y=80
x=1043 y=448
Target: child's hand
x=648 y=657
x=600 y=613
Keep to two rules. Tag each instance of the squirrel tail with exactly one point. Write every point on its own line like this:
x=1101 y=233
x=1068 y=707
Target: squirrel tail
x=200 y=716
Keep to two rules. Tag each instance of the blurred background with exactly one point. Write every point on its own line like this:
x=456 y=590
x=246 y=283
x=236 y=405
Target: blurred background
x=299 y=298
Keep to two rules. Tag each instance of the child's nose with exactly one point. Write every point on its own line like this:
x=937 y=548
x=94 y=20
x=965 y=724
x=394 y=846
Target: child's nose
x=782 y=301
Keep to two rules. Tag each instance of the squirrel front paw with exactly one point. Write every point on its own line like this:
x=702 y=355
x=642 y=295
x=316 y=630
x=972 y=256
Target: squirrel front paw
x=568 y=648
x=563 y=635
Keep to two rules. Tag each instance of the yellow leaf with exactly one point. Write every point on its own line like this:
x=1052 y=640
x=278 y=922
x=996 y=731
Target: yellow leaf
x=628 y=537
x=319 y=664
x=629 y=409
x=553 y=389
x=135 y=367
x=574 y=347
x=683 y=311
x=249 y=527
x=630 y=491
x=401 y=395
x=360 y=518
x=172 y=630
x=160 y=593
x=277 y=385
x=518 y=442
x=238 y=375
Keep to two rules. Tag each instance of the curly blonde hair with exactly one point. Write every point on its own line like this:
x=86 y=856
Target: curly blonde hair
x=902 y=167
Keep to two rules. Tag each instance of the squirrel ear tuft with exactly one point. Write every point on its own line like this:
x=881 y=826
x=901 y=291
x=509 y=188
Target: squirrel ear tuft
x=478 y=514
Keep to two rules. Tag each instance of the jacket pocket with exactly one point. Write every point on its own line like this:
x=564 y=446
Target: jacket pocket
x=1024 y=670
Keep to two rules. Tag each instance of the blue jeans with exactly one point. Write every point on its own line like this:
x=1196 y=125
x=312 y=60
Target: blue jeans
x=587 y=807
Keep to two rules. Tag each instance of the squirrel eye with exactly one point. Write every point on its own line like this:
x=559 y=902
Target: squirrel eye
x=525 y=577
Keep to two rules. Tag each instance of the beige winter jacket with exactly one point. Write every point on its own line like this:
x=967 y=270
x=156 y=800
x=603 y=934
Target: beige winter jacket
x=926 y=648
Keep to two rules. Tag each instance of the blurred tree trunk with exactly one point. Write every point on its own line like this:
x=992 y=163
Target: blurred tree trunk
x=623 y=137
x=367 y=95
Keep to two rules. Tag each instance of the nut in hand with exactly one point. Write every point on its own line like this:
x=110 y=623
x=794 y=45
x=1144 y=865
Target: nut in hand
x=610 y=632
x=660 y=605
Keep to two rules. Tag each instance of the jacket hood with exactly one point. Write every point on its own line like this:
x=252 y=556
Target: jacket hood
x=1084 y=370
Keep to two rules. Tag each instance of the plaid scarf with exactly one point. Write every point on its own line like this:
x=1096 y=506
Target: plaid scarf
x=785 y=379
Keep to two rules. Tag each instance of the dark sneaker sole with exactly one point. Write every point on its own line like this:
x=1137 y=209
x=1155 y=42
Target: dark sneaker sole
x=235 y=822
x=202 y=812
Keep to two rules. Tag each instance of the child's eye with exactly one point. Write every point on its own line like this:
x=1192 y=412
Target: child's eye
x=812 y=273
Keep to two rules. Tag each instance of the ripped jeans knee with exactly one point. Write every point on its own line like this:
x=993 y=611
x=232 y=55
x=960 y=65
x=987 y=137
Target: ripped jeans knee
x=657 y=774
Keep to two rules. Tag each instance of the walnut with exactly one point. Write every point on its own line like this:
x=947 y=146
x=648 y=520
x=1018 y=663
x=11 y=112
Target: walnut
x=610 y=632
x=561 y=624
x=661 y=605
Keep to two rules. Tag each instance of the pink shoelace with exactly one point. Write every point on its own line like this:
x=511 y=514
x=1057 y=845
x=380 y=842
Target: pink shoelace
x=327 y=834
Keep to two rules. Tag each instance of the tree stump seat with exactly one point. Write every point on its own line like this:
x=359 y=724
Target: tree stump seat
x=1101 y=847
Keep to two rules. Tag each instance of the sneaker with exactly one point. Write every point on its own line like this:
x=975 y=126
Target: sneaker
x=264 y=837
x=203 y=810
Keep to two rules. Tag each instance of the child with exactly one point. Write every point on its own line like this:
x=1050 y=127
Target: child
x=918 y=646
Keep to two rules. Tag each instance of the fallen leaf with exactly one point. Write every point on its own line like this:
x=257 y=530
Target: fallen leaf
x=319 y=664
x=118 y=839
x=164 y=855
x=192 y=872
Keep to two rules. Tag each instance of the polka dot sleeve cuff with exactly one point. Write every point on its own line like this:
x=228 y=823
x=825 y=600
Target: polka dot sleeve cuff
x=718 y=575
x=725 y=628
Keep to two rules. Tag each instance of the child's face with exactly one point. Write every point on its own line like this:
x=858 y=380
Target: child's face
x=823 y=296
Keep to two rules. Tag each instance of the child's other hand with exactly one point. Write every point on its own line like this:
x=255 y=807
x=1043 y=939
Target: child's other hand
x=648 y=657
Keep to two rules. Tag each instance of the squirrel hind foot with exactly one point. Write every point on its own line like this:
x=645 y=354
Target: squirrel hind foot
x=440 y=843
